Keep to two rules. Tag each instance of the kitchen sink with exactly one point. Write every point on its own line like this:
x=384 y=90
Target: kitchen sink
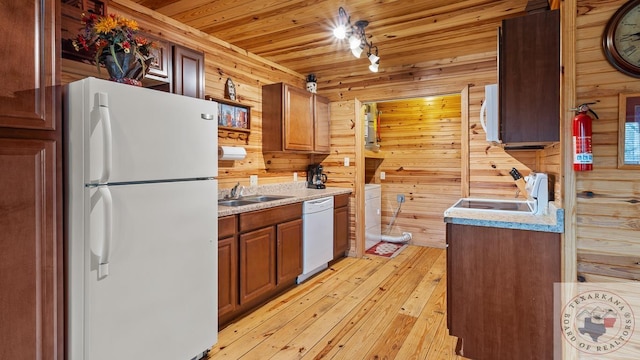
x=263 y=198
x=235 y=202
x=252 y=199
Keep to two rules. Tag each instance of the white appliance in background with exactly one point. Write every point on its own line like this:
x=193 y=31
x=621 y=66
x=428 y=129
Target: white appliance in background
x=317 y=236
x=372 y=215
x=537 y=186
x=489 y=114
x=141 y=216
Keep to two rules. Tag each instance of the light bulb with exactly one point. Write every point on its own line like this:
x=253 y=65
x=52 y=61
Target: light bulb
x=340 y=32
x=373 y=67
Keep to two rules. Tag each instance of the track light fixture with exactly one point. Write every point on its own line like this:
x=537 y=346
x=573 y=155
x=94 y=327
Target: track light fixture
x=357 y=38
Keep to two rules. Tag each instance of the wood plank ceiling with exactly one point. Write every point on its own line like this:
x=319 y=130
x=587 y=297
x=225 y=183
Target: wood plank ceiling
x=416 y=38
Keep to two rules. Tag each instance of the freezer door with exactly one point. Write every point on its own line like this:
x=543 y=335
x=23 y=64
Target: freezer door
x=127 y=133
x=156 y=296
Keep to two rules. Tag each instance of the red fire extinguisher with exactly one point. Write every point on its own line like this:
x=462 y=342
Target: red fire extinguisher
x=582 y=153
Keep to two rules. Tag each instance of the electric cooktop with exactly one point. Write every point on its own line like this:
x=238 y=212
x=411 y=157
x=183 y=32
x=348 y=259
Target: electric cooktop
x=495 y=205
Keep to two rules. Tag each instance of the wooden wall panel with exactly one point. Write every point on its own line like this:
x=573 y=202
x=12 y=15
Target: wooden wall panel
x=607 y=211
x=343 y=130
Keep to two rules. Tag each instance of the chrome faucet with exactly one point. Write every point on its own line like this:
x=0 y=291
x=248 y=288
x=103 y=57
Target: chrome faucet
x=234 y=191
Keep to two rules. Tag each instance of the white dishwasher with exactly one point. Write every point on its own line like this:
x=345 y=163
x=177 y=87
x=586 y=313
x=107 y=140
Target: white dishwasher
x=317 y=236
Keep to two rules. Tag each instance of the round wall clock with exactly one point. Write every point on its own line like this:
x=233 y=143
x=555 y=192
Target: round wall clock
x=621 y=39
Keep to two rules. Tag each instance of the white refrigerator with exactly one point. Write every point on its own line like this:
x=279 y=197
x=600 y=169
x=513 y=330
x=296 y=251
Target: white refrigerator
x=141 y=212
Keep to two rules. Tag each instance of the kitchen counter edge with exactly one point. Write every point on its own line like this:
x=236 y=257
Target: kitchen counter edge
x=298 y=195
x=552 y=222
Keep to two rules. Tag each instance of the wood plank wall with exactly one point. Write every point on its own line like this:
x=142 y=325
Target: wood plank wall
x=489 y=166
x=608 y=231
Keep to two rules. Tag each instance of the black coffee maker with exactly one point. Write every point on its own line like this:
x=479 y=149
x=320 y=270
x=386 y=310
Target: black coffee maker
x=315 y=177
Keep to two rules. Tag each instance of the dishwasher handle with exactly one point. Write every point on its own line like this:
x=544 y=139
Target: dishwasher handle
x=320 y=201
x=314 y=205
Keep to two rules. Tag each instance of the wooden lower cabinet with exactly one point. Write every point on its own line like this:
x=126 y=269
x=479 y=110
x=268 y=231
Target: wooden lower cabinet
x=257 y=263
x=340 y=225
x=227 y=265
x=500 y=291
x=289 y=249
x=266 y=261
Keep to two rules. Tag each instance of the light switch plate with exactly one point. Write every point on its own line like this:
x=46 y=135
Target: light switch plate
x=295 y=176
x=253 y=180
x=382 y=175
x=346 y=161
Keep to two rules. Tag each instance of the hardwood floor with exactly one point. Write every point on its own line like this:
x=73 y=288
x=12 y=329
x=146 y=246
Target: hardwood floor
x=370 y=308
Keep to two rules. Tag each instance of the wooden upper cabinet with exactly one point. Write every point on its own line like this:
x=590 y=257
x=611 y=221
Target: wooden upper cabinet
x=188 y=72
x=529 y=80
x=298 y=119
x=322 y=137
x=28 y=96
x=294 y=120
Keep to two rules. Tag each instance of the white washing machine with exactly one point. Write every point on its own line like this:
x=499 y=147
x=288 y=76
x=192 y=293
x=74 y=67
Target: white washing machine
x=372 y=215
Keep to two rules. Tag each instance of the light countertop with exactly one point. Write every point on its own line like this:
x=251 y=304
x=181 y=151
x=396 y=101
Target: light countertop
x=553 y=221
x=297 y=191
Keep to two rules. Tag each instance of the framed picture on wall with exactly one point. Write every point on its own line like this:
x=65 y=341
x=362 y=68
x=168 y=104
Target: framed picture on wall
x=227 y=114
x=629 y=131
x=232 y=116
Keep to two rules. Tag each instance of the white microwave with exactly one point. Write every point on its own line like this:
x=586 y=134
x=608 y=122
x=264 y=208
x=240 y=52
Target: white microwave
x=489 y=114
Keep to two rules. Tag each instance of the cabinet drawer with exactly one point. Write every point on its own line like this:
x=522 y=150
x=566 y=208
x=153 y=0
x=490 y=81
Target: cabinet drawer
x=267 y=217
x=341 y=200
x=226 y=226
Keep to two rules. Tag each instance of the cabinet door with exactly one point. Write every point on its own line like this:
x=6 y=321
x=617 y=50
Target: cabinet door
x=340 y=231
x=289 y=250
x=188 y=72
x=298 y=119
x=29 y=71
x=30 y=251
x=227 y=275
x=322 y=135
x=501 y=291
x=257 y=263
x=530 y=78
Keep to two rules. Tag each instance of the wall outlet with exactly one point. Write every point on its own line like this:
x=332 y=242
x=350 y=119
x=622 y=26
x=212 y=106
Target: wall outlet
x=346 y=161
x=382 y=175
x=253 y=180
x=295 y=176
x=400 y=198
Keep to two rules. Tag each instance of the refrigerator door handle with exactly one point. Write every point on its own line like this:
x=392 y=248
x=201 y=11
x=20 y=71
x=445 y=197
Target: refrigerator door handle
x=105 y=118
x=107 y=239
